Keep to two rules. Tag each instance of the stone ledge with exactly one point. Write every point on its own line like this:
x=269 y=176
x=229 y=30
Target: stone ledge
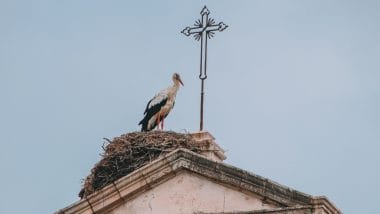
x=169 y=165
x=286 y=210
x=213 y=150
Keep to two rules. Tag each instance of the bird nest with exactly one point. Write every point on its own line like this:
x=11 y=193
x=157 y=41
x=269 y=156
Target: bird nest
x=131 y=151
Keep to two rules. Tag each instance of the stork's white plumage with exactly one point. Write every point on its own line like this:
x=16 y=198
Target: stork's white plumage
x=160 y=105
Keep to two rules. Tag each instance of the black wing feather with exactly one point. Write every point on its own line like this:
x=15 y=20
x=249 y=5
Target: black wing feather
x=149 y=112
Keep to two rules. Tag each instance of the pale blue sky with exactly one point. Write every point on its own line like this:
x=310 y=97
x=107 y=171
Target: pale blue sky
x=293 y=91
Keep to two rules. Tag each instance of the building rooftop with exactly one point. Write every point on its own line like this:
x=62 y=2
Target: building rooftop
x=199 y=162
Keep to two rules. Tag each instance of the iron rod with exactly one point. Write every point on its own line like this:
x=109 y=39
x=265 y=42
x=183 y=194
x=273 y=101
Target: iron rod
x=202 y=100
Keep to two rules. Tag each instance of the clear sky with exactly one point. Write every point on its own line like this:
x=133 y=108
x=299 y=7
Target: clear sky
x=293 y=91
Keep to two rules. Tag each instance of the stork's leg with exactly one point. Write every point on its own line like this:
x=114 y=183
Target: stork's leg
x=162 y=123
x=158 y=121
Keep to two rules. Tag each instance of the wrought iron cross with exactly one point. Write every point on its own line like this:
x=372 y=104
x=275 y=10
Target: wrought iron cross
x=203 y=30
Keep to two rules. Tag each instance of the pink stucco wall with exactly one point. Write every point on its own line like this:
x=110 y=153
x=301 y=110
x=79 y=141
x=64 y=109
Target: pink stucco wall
x=189 y=193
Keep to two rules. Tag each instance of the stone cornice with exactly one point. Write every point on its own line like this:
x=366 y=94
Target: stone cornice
x=172 y=163
x=286 y=210
x=324 y=203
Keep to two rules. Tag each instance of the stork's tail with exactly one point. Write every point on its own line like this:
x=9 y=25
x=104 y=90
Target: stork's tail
x=144 y=124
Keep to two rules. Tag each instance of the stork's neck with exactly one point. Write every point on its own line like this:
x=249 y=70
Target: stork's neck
x=175 y=88
x=176 y=84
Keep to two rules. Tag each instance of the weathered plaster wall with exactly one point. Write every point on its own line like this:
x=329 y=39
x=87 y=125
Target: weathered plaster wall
x=189 y=193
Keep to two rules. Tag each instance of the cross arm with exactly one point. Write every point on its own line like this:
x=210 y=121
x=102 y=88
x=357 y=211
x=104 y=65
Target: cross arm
x=193 y=30
x=219 y=27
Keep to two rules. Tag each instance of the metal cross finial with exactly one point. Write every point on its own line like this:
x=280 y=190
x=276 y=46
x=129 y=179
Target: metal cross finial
x=203 y=30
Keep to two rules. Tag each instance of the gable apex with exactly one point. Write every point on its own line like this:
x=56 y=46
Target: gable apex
x=169 y=165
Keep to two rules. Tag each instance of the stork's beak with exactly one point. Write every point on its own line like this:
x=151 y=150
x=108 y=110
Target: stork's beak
x=180 y=81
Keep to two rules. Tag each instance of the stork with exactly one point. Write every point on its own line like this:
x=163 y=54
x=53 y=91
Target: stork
x=160 y=105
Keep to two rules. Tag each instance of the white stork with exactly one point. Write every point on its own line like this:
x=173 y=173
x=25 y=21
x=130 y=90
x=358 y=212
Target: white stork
x=160 y=105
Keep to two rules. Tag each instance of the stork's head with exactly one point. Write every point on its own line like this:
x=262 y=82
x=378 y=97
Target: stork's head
x=177 y=79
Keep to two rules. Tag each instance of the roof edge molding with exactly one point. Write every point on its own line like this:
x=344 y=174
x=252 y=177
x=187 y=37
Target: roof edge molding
x=167 y=166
